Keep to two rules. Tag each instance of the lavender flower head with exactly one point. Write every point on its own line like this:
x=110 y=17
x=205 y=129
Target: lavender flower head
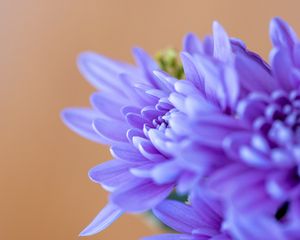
x=221 y=126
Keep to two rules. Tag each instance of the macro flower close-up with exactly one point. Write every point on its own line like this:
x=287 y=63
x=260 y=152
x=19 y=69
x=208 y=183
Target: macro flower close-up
x=150 y=120
x=229 y=128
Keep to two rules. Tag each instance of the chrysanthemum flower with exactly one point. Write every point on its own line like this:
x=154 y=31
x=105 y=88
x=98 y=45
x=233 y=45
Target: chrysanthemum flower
x=258 y=132
x=230 y=129
x=134 y=114
x=132 y=101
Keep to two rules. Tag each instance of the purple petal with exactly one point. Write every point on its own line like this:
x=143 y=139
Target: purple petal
x=134 y=132
x=197 y=105
x=147 y=149
x=253 y=76
x=136 y=120
x=165 y=172
x=107 y=105
x=253 y=106
x=111 y=174
x=148 y=65
x=166 y=80
x=191 y=72
x=254 y=227
x=159 y=140
x=127 y=153
x=186 y=88
x=254 y=157
x=192 y=44
x=181 y=217
x=296 y=54
x=281 y=33
x=111 y=130
x=200 y=159
x=222 y=46
x=104 y=219
x=140 y=195
x=177 y=100
x=143 y=170
x=230 y=87
x=281 y=66
x=101 y=71
x=130 y=109
x=80 y=121
x=209 y=209
x=150 y=113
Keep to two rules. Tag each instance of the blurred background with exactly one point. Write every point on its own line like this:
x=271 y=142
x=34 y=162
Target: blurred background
x=45 y=191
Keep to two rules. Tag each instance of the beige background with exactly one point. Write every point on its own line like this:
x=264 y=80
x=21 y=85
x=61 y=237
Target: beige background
x=45 y=192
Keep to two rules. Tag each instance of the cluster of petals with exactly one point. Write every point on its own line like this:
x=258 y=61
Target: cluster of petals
x=227 y=136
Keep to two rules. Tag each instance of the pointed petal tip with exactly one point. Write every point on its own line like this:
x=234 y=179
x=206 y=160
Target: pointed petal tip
x=217 y=27
x=83 y=57
x=185 y=56
x=104 y=219
x=281 y=33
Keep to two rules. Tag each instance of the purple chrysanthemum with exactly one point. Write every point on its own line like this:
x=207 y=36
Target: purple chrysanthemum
x=133 y=101
x=227 y=135
x=258 y=135
x=138 y=126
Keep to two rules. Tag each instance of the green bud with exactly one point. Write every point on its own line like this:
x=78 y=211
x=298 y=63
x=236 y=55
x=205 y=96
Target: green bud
x=169 y=61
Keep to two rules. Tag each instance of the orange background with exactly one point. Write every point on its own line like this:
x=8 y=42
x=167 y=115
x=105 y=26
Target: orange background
x=45 y=192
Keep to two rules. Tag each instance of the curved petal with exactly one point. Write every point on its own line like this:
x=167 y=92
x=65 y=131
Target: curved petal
x=80 y=120
x=191 y=72
x=104 y=219
x=282 y=34
x=140 y=195
x=102 y=72
x=180 y=217
x=110 y=129
x=147 y=65
x=107 y=105
x=254 y=76
x=111 y=174
x=192 y=44
x=222 y=46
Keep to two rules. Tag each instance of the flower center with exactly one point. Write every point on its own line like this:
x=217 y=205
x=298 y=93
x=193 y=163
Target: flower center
x=277 y=117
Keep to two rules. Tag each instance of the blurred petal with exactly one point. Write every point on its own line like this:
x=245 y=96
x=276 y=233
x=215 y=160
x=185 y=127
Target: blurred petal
x=192 y=44
x=102 y=72
x=177 y=215
x=222 y=46
x=140 y=195
x=80 y=120
x=110 y=129
x=281 y=33
x=111 y=174
x=191 y=72
x=104 y=219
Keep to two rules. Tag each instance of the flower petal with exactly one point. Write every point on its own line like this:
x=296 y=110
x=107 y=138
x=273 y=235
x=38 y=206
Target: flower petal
x=100 y=71
x=222 y=46
x=104 y=219
x=191 y=72
x=111 y=174
x=140 y=195
x=110 y=129
x=80 y=121
x=192 y=44
x=107 y=105
x=281 y=33
x=181 y=217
